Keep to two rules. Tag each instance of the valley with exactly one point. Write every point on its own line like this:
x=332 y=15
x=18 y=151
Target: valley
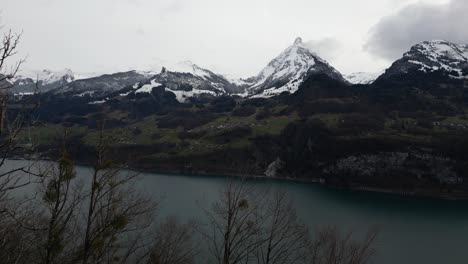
x=299 y=119
x=233 y=132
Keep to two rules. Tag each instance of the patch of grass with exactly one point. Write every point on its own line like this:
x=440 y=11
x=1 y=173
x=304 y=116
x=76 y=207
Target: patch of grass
x=117 y=115
x=455 y=120
x=49 y=133
x=273 y=125
x=330 y=120
x=241 y=143
x=140 y=132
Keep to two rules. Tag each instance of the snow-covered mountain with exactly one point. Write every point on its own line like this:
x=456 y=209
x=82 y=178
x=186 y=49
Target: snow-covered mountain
x=362 y=77
x=48 y=76
x=44 y=80
x=185 y=80
x=102 y=85
x=217 y=81
x=433 y=56
x=286 y=72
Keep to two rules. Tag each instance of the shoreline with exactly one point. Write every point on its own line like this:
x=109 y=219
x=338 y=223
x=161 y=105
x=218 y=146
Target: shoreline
x=416 y=193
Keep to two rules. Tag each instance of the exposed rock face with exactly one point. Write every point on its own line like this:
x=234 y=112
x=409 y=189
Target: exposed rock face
x=274 y=168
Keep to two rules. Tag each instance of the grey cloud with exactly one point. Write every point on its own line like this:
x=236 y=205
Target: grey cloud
x=393 y=35
x=140 y=31
x=327 y=48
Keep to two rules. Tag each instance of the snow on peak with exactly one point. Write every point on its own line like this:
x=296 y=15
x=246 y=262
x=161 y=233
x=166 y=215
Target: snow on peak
x=48 y=76
x=437 y=49
x=147 y=74
x=86 y=75
x=439 y=55
x=362 y=77
x=292 y=62
x=286 y=72
x=189 y=67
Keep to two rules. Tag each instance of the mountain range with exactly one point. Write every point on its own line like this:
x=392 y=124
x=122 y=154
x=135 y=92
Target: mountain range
x=283 y=74
x=403 y=129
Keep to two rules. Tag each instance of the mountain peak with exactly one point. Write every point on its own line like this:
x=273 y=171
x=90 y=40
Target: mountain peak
x=298 y=41
x=433 y=56
x=288 y=70
x=47 y=76
x=440 y=48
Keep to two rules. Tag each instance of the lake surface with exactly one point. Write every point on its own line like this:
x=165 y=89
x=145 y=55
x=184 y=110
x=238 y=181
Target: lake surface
x=412 y=230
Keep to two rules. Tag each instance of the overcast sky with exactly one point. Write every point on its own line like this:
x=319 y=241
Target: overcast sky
x=234 y=37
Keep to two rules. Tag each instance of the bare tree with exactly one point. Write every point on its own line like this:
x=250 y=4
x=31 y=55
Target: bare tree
x=61 y=197
x=11 y=124
x=234 y=224
x=8 y=49
x=330 y=246
x=115 y=218
x=173 y=244
x=251 y=226
x=115 y=210
x=16 y=242
x=284 y=238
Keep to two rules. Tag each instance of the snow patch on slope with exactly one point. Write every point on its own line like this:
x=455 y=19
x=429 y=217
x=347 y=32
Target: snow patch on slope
x=98 y=102
x=182 y=96
x=87 y=75
x=189 y=67
x=148 y=88
x=292 y=64
x=286 y=72
x=440 y=55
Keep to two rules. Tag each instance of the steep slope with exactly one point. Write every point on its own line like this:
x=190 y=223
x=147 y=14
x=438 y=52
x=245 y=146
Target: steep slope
x=438 y=56
x=286 y=72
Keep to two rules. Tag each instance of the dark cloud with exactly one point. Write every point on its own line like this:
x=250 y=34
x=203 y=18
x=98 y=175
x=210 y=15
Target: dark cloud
x=393 y=35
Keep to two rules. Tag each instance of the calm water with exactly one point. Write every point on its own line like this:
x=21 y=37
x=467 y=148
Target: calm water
x=411 y=230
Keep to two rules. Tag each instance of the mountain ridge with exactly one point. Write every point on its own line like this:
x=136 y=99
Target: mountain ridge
x=434 y=56
x=284 y=73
